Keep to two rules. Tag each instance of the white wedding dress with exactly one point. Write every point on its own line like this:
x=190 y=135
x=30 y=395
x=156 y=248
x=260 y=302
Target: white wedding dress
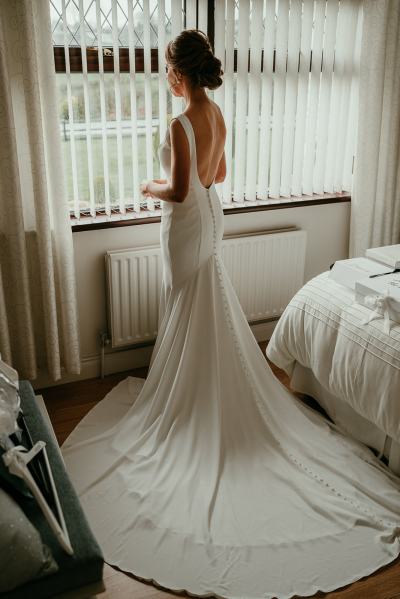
x=209 y=476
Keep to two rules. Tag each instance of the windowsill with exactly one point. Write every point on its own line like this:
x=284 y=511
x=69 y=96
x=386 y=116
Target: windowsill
x=134 y=218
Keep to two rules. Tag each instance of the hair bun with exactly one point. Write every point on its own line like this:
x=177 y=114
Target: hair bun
x=210 y=72
x=206 y=60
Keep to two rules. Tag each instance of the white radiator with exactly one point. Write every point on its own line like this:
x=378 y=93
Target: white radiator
x=266 y=270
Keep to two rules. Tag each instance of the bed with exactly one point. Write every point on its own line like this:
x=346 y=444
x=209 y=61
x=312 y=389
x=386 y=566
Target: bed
x=349 y=366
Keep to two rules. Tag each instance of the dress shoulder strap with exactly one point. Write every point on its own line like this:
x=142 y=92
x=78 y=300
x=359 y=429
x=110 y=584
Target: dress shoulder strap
x=188 y=130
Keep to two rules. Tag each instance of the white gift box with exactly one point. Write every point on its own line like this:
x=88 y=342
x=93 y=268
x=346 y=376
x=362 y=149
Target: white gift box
x=348 y=272
x=382 y=296
x=387 y=254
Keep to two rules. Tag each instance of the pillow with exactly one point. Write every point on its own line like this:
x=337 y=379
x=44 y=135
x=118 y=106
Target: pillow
x=23 y=555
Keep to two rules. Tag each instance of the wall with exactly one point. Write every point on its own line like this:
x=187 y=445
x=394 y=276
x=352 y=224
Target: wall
x=328 y=234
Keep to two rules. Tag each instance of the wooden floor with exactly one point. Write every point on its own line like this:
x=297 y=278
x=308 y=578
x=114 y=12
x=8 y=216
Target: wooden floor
x=67 y=404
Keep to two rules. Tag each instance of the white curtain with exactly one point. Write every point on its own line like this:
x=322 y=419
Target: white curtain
x=375 y=205
x=38 y=309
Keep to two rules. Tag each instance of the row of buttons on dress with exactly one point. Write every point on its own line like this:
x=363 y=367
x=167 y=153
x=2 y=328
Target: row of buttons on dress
x=292 y=457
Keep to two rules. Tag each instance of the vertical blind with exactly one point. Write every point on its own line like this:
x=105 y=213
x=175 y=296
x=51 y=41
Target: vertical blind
x=125 y=23
x=291 y=106
x=289 y=97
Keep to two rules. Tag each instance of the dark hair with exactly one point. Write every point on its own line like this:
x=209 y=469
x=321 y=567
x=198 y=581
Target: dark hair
x=190 y=53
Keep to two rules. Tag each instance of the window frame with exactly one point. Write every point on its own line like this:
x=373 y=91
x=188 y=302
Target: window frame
x=75 y=59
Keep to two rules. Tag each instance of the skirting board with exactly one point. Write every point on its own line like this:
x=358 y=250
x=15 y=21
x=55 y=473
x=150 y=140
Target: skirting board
x=128 y=359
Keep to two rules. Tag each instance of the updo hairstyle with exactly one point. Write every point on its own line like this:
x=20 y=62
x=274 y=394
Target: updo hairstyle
x=190 y=53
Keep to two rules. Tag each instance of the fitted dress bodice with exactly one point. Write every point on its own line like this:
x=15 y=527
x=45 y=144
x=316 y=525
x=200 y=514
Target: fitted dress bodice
x=191 y=231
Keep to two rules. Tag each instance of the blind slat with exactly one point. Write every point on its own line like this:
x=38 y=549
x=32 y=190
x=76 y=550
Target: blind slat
x=312 y=112
x=219 y=47
x=278 y=106
x=266 y=100
x=290 y=96
x=302 y=97
x=176 y=28
x=202 y=24
x=241 y=100
x=229 y=89
x=70 y=116
x=133 y=104
x=86 y=102
x=162 y=81
x=190 y=14
x=353 y=110
x=148 y=105
x=325 y=94
x=336 y=98
x=333 y=117
x=256 y=34
x=118 y=111
x=103 y=115
x=347 y=58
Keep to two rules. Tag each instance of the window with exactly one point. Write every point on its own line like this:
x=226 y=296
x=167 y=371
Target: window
x=289 y=96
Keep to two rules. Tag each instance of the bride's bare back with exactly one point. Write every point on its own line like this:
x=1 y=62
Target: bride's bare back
x=210 y=132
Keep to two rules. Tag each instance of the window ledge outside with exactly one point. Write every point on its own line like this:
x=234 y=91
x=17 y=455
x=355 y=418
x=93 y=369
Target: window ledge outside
x=102 y=221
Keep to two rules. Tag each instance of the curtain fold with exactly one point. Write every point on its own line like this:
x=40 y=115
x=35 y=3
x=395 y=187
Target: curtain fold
x=38 y=317
x=375 y=205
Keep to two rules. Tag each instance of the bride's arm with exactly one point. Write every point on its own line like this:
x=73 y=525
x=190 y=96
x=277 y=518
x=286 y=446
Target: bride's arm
x=177 y=188
x=163 y=191
x=144 y=186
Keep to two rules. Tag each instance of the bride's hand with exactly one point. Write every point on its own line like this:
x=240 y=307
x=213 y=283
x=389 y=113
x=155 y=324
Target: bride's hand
x=143 y=189
x=145 y=182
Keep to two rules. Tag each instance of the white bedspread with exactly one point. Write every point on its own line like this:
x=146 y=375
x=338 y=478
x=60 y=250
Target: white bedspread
x=322 y=329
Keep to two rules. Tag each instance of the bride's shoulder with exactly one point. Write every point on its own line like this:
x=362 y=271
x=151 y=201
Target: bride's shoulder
x=176 y=118
x=174 y=127
x=172 y=124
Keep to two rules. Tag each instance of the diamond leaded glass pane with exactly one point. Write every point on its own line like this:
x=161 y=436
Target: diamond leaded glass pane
x=73 y=28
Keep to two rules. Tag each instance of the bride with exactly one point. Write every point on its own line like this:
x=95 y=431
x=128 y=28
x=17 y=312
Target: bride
x=210 y=476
